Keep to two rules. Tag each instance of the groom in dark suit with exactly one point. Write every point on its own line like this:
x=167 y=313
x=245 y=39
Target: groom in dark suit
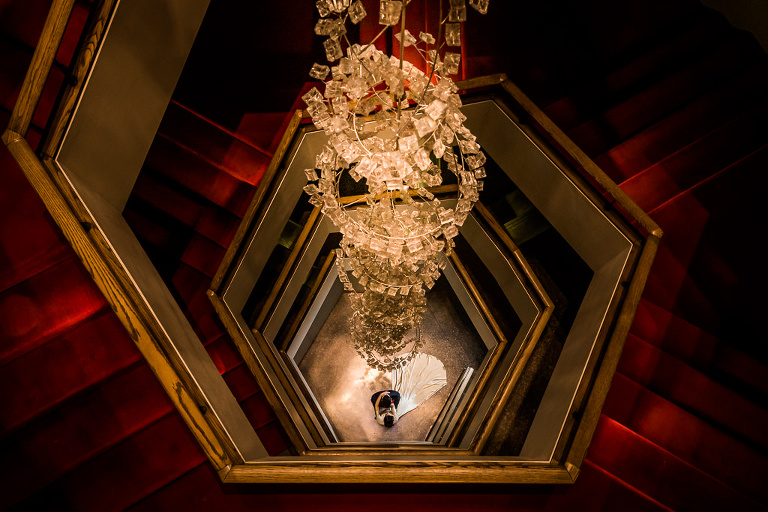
x=384 y=407
x=387 y=397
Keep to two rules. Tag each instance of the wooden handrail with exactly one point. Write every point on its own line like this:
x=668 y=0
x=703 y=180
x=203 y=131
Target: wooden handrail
x=40 y=68
x=602 y=382
x=100 y=19
x=92 y=247
x=582 y=159
x=106 y=271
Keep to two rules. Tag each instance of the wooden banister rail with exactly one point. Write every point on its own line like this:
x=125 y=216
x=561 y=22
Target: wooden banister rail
x=90 y=244
x=99 y=21
x=40 y=68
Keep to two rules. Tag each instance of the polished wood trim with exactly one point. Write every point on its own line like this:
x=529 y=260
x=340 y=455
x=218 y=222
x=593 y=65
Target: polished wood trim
x=606 y=203
x=258 y=371
x=107 y=272
x=110 y=276
x=353 y=470
x=543 y=304
x=515 y=369
x=388 y=450
x=314 y=407
x=234 y=251
x=474 y=293
x=517 y=255
x=469 y=409
x=546 y=309
x=438 y=190
x=40 y=67
x=514 y=372
x=480 y=82
x=274 y=360
x=100 y=19
x=322 y=274
x=288 y=268
x=582 y=159
x=590 y=413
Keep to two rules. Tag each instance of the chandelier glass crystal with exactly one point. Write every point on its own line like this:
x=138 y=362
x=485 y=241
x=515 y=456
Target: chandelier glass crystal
x=397 y=129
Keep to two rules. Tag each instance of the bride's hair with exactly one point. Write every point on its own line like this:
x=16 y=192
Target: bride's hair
x=389 y=420
x=386 y=401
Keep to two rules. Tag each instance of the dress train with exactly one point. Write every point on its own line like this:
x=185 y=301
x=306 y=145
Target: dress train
x=417 y=381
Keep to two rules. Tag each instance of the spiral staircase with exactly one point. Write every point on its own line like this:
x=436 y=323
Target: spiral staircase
x=667 y=98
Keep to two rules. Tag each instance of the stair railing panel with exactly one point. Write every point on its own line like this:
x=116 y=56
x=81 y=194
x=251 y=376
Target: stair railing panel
x=93 y=248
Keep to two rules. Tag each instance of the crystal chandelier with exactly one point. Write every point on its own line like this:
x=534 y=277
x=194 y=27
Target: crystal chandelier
x=398 y=128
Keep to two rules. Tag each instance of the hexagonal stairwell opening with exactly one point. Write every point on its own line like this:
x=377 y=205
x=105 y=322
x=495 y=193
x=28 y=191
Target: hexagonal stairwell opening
x=548 y=326
x=296 y=291
x=577 y=200
x=342 y=382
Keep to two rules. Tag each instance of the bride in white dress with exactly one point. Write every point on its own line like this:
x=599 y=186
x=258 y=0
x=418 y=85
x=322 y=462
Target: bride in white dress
x=417 y=381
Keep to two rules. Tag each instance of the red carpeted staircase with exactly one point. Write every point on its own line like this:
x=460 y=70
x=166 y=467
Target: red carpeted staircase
x=80 y=403
x=672 y=106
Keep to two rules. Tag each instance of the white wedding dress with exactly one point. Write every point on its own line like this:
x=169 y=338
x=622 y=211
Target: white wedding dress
x=417 y=381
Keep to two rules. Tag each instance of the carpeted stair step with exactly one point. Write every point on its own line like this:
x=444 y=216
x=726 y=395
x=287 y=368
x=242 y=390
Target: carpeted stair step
x=239 y=156
x=243 y=386
x=719 y=106
x=134 y=467
x=614 y=493
x=19 y=271
x=71 y=363
x=88 y=425
x=191 y=209
x=172 y=201
x=162 y=238
x=264 y=129
x=80 y=387
x=702 y=351
x=695 y=392
x=203 y=255
x=46 y=306
x=14 y=61
x=157 y=455
x=536 y=58
x=223 y=355
x=126 y=454
x=202 y=317
x=701 y=271
x=201 y=176
x=20 y=27
x=191 y=285
x=23 y=22
x=218 y=225
x=681 y=42
x=656 y=472
x=711 y=153
x=666 y=96
x=29 y=241
x=705 y=446
x=599 y=491
x=170 y=243
x=97 y=408
x=261 y=416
